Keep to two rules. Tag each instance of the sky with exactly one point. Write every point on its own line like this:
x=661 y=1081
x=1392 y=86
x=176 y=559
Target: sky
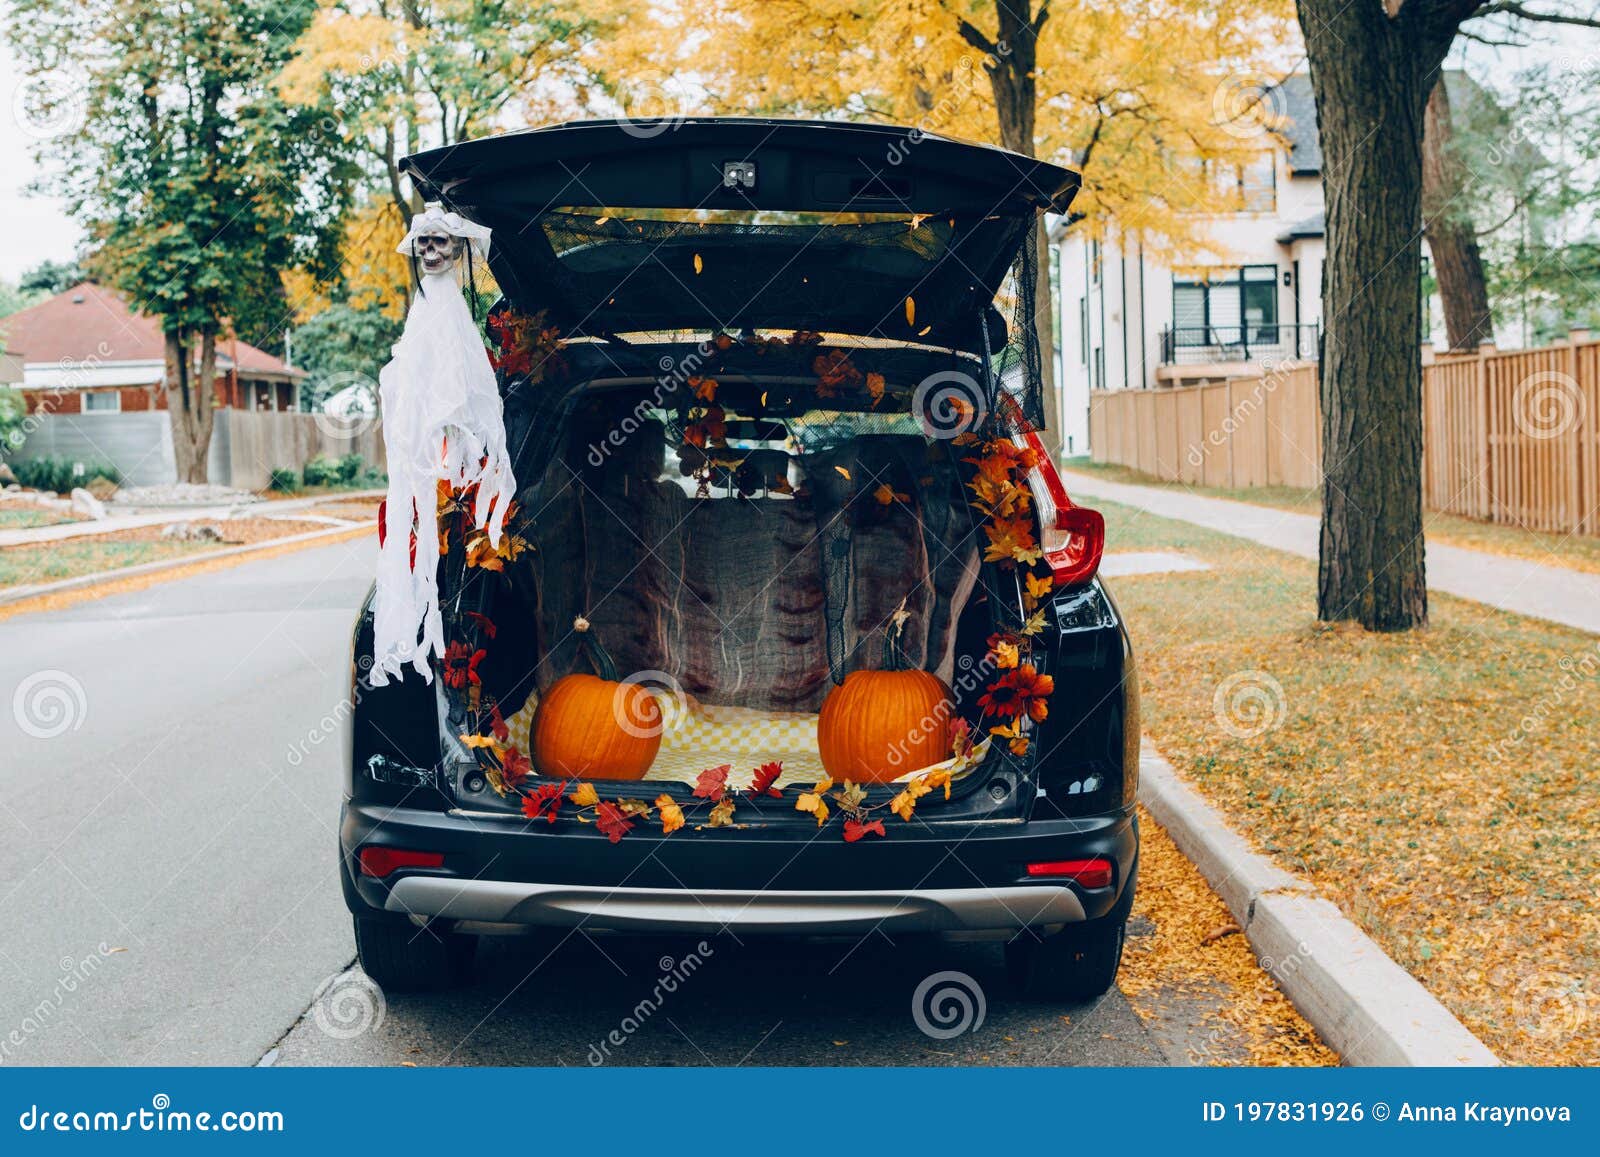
x=37 y=227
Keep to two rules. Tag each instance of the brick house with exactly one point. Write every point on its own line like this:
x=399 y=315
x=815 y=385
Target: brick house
x=86 y=351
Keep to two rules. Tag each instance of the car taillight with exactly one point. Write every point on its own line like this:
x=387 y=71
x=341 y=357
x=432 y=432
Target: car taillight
x=1072 y=537
x=1094 y=873
x=380 y=862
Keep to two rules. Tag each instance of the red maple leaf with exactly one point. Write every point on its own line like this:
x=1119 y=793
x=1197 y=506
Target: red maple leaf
x=766 y=775
x=545 y=800
x=609 y=818
x=855 y=829
x=485 y=623
x=497 y=723
x=713 y=782
x=515 y=768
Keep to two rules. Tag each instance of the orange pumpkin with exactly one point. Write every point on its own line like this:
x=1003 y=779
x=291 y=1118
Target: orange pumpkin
x=878 y=725
x=594 y=725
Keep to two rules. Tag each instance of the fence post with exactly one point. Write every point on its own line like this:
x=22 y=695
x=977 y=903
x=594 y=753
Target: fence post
x=1481 y=387
x=1576 y=516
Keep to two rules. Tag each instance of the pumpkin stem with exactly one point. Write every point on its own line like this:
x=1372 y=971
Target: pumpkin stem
x=589 y=643
x=894 y=655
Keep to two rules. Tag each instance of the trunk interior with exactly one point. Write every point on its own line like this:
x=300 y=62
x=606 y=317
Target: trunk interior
x=737 y=582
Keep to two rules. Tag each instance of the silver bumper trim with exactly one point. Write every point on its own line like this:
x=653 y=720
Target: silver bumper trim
x=677 y=910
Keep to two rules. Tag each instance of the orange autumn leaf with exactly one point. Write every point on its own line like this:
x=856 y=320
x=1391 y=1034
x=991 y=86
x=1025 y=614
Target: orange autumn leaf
x=699 y=264
x=911 y=310
x=940 y=778
x=671 y=814
x=875 y=387
x=721 y=815
x=888 y=495
x=813 y=803
x=1005 y=654
x=1039 y=587
x=585 y=795
x=704 y=388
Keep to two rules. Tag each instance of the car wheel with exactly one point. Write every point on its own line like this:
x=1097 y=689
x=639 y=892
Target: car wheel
x=1075 y=964
x=402 y=957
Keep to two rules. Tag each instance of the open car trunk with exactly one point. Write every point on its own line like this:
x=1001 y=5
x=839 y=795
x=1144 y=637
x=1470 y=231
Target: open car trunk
x=738 y=582
x=735 y=358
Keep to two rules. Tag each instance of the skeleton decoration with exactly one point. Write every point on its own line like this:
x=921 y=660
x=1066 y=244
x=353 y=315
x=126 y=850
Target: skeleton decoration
x=441 y=422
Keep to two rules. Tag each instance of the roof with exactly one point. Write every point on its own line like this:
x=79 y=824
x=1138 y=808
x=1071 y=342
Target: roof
x=1315 y=225
x=1294 y=101
x=90 y=323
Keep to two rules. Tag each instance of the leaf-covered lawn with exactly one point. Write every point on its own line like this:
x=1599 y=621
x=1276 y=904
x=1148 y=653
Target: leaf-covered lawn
x=1442 y=786
x=72 y=557
x=14 y=516
x=1580 y=552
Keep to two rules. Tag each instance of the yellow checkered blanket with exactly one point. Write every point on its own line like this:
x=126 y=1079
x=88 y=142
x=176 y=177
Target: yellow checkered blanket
x=696 y=736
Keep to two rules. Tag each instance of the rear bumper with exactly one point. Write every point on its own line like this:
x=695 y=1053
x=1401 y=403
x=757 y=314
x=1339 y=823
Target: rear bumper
x=922 y=878
x=680 y=910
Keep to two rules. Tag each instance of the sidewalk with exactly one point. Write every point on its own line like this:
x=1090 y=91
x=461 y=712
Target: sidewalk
x=266 y=509
x=1554 y=593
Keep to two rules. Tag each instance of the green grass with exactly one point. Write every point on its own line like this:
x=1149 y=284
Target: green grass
x=1437 y=784
x=26 y=518
x=70 y=558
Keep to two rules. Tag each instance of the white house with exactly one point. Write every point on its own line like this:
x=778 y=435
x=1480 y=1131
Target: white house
x=1128 y=322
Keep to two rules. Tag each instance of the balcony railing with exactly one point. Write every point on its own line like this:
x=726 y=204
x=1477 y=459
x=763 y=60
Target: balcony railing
x=1198 y=345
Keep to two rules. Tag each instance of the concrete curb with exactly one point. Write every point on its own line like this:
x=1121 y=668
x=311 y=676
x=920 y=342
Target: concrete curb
x=36 y=590
x=1364 y=1005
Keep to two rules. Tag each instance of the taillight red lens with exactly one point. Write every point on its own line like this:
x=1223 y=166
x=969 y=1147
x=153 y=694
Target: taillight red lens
x=1094 y=873
x=380 y=862
x=1072 y=537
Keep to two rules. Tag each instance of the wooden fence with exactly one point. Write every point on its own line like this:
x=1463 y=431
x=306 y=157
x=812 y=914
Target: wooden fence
x=1510 y=436
x=1259 y=431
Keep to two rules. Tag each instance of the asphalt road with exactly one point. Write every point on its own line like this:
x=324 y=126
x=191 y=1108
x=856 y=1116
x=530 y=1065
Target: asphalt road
x=168 y=888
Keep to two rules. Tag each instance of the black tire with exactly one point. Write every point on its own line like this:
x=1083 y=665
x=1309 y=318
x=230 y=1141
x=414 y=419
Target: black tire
x=1076 y=964
x=402 y=957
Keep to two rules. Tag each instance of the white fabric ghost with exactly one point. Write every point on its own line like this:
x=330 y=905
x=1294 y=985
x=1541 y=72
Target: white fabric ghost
x=441 y=420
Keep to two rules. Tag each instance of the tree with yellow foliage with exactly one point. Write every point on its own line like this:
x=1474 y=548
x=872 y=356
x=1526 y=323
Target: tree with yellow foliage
x=1115 y=88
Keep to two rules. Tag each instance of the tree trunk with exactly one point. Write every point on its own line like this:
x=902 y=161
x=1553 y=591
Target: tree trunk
x=191 y=401
x=1011 y=63
x=1457 y=263
x=1370 y=74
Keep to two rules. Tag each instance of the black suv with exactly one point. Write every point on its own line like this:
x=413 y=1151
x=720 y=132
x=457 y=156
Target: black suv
x=842 y=287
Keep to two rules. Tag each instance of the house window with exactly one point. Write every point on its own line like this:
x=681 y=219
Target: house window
x=1226 y=307
x=100 y=401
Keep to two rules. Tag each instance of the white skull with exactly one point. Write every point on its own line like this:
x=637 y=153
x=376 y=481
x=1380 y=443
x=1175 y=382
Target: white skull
x=437 y=252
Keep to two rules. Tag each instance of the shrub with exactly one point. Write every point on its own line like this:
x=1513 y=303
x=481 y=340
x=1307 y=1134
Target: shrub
x=349 y=469
x=284 y=480
x=320 y=471
x=61 y=475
